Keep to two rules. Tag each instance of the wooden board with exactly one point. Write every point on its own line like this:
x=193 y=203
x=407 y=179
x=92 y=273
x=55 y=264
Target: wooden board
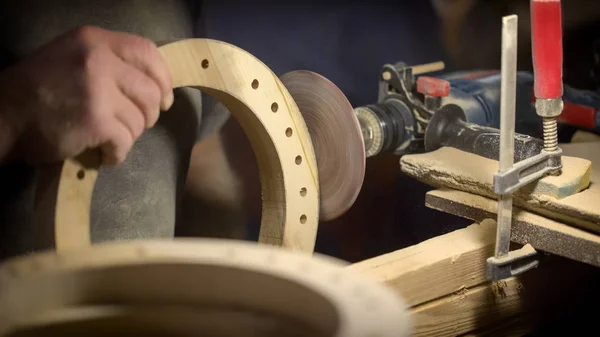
x=436 y=267
x=536 y=298
x=270 y=119
x=449 y=167
x=542 y=233
x=444 y=281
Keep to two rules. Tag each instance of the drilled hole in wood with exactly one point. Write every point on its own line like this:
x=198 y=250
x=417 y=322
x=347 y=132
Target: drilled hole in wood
x=204 y=63
x=289 y=132
x=303 y=192
x=274 y=107
x=298 y=160
x=255 y=84
x=80 y=174
x=303 y=219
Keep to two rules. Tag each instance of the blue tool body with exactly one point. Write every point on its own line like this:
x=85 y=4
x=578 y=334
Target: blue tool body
x=478 y=94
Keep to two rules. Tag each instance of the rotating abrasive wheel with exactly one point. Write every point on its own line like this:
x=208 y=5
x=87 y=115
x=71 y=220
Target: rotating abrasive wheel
x=336 y=136
x=203 y=287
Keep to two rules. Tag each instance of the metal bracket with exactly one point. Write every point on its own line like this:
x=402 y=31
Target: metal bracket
x=514 y=263
x=527 y=171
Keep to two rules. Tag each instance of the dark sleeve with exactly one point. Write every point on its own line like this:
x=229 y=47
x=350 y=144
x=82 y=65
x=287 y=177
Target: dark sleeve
x=16 y=197
x=6 y=58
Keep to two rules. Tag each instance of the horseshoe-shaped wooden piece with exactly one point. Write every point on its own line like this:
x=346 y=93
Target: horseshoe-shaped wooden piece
x=269 y=117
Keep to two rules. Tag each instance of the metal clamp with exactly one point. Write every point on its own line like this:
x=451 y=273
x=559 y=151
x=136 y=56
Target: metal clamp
x=527 y=171
x=506 y=263
x=514 y=263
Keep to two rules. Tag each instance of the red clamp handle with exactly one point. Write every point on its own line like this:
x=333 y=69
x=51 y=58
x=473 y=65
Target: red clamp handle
x=546 y=35
x=434 y=87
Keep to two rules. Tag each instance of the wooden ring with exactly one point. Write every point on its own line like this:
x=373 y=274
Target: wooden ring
x=264 y=109
x=193 y=287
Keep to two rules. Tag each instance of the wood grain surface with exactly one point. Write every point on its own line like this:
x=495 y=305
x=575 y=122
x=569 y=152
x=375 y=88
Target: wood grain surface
x=435 y=267
x=543 y=234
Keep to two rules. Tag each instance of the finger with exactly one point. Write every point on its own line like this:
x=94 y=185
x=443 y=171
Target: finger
x=131 y=116
x=144 y=55
x=141 y=91
x=115 y=148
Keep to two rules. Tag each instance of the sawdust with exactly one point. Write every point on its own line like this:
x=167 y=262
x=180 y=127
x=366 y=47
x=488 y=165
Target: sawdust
x=499 y=289
x=459 y=296
x=520 y=289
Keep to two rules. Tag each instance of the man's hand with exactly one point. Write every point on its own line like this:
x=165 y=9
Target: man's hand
x=88 y=88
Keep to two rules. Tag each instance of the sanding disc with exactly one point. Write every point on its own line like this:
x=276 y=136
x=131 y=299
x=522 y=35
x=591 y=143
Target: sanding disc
x=336 y=138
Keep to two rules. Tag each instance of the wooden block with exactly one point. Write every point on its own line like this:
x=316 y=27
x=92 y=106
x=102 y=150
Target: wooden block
x=537 y=297
x=550 y=196
x=436 y=267
x=542 y=233
x=450 y=166
x=444 y=281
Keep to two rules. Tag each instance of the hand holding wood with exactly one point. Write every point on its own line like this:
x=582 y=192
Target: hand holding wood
x=89 y=88
x=271 y=120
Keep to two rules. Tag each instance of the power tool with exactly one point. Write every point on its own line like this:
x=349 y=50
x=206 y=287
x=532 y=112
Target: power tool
x=407 y=105
x=416 y=112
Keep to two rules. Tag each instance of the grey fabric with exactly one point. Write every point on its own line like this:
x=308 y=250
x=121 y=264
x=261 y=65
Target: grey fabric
x=139 y=198
x=29 y=24
x=214 y=116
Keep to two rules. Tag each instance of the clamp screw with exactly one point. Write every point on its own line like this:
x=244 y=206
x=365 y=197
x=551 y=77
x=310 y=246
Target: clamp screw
x=549 y=110
x=550 y=127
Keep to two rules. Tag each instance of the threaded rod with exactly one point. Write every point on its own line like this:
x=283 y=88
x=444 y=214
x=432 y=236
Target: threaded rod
x=550 y=134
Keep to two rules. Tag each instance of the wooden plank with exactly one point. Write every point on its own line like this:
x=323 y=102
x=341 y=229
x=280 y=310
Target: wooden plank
x=536 y=298
x=457 y=314
x=436 y=267
x=542 y=233
x=443 y=280
x=551 y=196
x=512 y=327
